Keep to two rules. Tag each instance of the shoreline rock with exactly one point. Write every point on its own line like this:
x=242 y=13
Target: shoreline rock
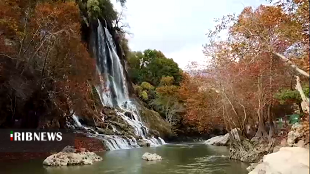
x=71 y=156
x=151 y=157
x=288 y=160
x=221 y=140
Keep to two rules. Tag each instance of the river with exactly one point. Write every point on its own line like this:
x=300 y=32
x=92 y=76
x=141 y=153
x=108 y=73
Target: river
x=191 y=158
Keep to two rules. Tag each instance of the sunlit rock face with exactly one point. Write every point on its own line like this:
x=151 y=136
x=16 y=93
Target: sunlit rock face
x=288 y=160
x=69 y=156
x=151 y=157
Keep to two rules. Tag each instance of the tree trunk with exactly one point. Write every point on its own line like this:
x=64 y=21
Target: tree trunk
x=305 y=100
x=261 y=131
x=270 y=121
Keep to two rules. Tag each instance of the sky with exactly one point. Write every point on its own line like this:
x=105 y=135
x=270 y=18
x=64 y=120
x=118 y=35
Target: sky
x=177 y=27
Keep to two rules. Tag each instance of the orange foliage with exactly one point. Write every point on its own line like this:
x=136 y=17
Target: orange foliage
x=245 y=69
x=201 y=106
x=46 y=39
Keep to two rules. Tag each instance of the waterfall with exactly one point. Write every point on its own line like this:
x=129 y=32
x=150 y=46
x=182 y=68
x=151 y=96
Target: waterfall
x=113 y=92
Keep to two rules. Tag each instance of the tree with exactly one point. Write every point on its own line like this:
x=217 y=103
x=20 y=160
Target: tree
x=250 y=61
x=202 y=110
x=150 y=66
x=167 y=100
x=47 y=52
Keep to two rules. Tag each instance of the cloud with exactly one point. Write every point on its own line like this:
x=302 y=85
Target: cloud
x=177 y=27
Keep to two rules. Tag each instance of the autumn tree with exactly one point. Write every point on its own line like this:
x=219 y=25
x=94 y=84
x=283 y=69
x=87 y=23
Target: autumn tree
x=47 y=47
x=248 y=66
x=202 y=110
x=167 y=100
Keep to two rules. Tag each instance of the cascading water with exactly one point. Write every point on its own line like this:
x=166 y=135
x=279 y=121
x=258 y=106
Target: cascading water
x=113 y=92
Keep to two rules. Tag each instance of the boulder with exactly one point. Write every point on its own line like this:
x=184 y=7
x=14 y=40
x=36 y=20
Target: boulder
x=295 y=134
x=251 y=167
x=151 y=157
x=68 y=157
x=250 y=152
x=69 y=149
x=288 y=160
x=221 y=140
x=143 y=143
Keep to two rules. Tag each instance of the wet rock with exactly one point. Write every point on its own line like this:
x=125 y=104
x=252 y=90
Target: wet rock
x=288 y=160
x=223 y=140
x=69 y=149
x=129 y=115
x=218 y=140
x=251 y=167
x=68 y=157
x=154 y=121
x=100 y=130
x=143 y=143
x=154 y=132
x=151 y=157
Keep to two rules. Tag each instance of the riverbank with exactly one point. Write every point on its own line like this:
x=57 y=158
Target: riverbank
x=288 y=160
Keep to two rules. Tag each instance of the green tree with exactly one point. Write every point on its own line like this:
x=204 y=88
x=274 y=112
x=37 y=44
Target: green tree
x=151 y=65
x=167 y=100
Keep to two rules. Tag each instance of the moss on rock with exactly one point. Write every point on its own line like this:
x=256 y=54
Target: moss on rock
x=154 y=122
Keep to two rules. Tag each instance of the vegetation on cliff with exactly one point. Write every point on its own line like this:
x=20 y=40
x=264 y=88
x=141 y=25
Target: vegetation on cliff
x=46 y=69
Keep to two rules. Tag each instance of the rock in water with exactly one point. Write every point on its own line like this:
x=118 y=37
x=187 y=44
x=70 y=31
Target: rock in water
x=143 y=143
x=68 y=157
x=223 y=140
x=218 y=140
x=151 y=157
x=252 y=166
x=288 y=160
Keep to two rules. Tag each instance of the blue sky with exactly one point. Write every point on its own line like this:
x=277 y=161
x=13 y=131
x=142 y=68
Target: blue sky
x=177 y=27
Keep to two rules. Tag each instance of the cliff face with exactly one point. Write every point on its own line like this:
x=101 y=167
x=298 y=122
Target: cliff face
x=38 y=95
x=125 y=122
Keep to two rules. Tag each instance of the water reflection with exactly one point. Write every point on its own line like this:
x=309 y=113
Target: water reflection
x=177 y=159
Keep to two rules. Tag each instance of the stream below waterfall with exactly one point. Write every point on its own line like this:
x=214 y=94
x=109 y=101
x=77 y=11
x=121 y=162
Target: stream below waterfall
x=190 y=158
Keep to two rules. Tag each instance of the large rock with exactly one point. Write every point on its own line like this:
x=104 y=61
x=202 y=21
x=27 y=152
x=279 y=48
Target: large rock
x=151 y=157
x=143 y=143
x=295 y=134
x=288 y=160
x=68 y=157
x=221 y=140
x=251 y=167
x=154 y=121
x=246 y=151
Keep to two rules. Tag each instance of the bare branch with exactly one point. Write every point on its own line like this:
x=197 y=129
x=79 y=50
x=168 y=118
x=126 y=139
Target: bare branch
x=286 y=60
